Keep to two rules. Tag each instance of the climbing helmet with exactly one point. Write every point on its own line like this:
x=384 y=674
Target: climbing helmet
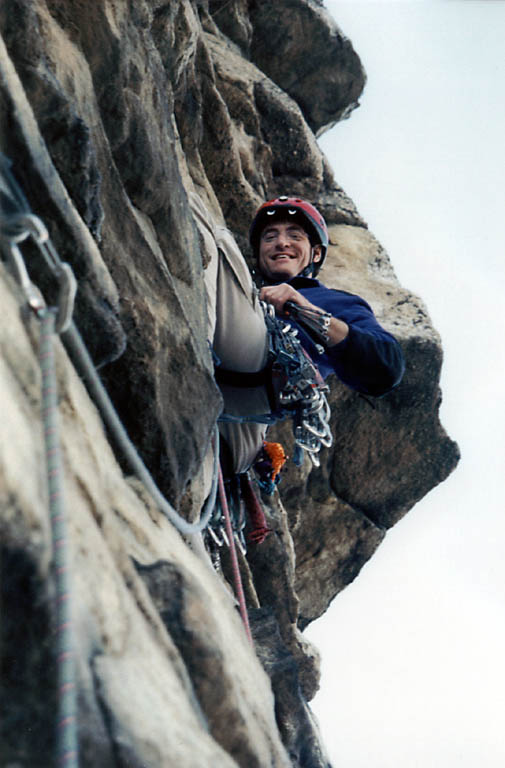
x=300 y=211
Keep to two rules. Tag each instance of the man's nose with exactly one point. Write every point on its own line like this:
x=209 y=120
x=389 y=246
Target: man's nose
x=283 y=240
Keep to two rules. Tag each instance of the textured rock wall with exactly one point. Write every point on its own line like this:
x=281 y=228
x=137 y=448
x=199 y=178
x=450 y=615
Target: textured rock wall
x=112 y=112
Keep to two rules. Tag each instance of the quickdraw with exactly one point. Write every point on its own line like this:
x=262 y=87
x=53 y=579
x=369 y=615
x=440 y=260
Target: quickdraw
x=297 y=389
x=315 y=322
x=217 y=524
x=17 y=225
x=303 y=392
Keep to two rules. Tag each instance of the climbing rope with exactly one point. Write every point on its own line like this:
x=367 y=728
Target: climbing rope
x=17 y=225
x=67 y=741
x=239 y=590
x=73 y=340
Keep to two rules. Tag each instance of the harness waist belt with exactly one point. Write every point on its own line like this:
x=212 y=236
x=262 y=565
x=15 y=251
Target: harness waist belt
x=244 y=379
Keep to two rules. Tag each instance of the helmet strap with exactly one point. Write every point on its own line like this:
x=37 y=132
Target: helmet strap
x=308 y=271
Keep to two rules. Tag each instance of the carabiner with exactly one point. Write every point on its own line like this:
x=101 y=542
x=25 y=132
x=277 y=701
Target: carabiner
x=16 y=230
x=33 y=296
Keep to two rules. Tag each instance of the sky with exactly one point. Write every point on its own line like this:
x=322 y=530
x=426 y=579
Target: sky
x=413 y=669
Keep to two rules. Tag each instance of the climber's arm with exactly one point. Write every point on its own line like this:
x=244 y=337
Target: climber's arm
x=360 y=351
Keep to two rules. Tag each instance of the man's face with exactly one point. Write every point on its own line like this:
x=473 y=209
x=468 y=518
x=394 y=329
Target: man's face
x=284 y=250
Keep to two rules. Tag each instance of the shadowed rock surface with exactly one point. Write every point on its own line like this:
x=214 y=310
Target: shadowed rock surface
x=112 y=113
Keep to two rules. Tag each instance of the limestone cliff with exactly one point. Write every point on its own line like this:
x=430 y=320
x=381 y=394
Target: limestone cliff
x=112 y=112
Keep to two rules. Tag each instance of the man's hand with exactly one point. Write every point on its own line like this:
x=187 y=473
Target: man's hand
x=279 y=294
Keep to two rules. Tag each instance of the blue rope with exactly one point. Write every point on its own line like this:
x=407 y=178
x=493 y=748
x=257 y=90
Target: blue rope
x=66 y=736
x=17 y=223
x=73 y=340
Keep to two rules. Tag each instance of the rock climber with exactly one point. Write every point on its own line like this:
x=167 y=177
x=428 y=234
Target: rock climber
x=339 y=331
x=289 y=238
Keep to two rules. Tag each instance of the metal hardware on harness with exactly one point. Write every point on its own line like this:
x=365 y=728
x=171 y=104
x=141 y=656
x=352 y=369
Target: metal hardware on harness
x=303 y=394
x=217 y=533
x=217 y=524
x=239 y=590
x=315 y=322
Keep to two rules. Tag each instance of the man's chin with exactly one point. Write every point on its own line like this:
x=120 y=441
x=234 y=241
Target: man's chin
x=280 y=275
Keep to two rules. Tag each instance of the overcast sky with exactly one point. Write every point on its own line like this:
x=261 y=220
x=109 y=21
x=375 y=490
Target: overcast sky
x=414 y=650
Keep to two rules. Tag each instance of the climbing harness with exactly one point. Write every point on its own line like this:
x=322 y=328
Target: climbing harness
x=295 y=387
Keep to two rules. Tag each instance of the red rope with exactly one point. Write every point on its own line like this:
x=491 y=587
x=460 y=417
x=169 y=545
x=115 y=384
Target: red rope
x=239 y=590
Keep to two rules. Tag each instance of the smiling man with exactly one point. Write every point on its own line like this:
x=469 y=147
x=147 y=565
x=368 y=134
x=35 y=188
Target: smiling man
x=339 y=330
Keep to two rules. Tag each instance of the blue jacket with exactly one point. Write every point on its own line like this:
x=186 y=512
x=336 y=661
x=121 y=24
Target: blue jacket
x=369 y=360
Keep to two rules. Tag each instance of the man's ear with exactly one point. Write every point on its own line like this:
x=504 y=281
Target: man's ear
x=316 y=253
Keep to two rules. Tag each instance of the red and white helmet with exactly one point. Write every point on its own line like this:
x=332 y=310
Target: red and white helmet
x=296 y=209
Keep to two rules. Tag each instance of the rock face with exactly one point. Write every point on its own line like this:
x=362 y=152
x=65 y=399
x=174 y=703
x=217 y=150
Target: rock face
x=111 y=114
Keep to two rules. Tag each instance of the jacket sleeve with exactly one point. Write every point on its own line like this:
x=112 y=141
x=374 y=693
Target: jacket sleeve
x=369 y=359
